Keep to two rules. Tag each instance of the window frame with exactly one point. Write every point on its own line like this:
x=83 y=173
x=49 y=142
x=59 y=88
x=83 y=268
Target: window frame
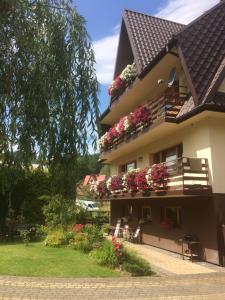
x=142 y=214
x=163 y=215
x=160 y=154
x=125 y=166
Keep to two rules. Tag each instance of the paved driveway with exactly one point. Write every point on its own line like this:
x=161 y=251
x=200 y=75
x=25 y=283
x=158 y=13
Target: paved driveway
x=202 y=286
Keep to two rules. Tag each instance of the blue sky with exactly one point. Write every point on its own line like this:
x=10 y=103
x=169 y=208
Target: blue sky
x=103 y=22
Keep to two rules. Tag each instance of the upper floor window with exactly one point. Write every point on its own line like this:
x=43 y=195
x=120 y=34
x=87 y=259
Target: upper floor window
x=128 y=167
x=168 y=155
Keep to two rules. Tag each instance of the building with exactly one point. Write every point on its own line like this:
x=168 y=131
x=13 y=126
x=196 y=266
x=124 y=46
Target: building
x=167 y=109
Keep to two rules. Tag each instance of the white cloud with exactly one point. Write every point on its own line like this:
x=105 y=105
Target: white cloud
x=105 y=55
x=183 y=11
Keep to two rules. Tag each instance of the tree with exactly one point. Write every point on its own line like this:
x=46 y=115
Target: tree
x=87 y=165
x=48 y=91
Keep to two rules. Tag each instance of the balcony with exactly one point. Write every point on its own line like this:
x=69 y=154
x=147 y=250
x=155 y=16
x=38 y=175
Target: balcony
x=181 y=177
x=164 y=108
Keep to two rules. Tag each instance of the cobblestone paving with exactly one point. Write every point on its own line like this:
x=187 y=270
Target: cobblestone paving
x=202 y=286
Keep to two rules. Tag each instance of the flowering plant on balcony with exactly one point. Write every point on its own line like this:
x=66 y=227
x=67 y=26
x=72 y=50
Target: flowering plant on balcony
x=141 y=181
x=140 y=115
x=116 y=87
x=129 y=180
x=159 y=177
x=126 y=124
x=122 y=81
x=115 y=184
x=99 y=188
x=129 y=73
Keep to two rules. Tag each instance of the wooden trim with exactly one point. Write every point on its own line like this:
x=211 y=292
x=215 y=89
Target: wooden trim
x=135 y=53
x=188 y=76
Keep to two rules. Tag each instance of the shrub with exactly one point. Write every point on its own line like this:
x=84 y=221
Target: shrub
x=107 y=256
x=61 y=211
x=69 y=236
x=41 y=232
x=105 y=229
x=56 y=238
x=81 y=242
x=25 y=236
x=136 y=265
x=94 y=233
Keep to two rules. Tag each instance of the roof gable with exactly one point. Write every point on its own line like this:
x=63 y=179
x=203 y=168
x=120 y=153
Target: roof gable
x=125 y=54
x=202 y=44
x=148 y=36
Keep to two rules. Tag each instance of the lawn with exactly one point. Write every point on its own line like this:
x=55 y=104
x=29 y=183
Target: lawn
x=38 y=260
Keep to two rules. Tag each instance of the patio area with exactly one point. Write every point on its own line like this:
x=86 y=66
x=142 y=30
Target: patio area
x=168 y=263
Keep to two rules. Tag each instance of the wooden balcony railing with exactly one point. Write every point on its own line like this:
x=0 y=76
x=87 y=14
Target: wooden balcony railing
x=164 y=107
x=187 y=176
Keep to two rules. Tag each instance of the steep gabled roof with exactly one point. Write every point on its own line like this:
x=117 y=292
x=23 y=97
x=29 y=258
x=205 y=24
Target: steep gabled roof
x=148 y=36
x=202 y=44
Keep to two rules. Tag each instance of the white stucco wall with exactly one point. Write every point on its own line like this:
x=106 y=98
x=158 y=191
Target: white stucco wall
x=201 y=139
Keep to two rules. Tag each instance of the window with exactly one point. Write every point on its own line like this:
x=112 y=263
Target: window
x=168 y=155
x=147 y=213
x=172 y=215
x=128 y=166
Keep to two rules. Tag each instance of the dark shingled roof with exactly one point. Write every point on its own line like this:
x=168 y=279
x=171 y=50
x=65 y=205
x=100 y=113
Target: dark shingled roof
x=202 y=43
x=148 y=36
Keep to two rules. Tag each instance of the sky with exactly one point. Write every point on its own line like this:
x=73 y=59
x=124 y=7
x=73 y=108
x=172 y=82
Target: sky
x=103 y=19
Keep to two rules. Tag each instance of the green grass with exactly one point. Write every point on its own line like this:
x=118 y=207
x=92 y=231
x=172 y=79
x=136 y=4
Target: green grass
x=39 y=260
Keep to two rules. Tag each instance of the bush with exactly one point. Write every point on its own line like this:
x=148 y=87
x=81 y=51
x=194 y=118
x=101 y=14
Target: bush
x=94 y=233
x=106 y=255
x=105 y=229
x=81 y=242
x=136 y=265
x=61 y=211
x=69 y=236
x=41 y=232
x=56 y=238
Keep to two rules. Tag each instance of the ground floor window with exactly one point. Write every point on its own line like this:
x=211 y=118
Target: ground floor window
x=171 y=216
x=147 y=213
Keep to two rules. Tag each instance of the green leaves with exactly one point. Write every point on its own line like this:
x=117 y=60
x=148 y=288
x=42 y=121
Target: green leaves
x=48 y=86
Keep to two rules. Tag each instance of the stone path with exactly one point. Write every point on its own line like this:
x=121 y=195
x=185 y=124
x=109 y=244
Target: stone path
x=166 y=263
x=186 y=287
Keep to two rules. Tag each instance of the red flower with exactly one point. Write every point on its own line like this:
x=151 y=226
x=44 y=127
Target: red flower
x=140 y=115
x=141 y=181
x=77 y=228
x=116 y=183
x=159 y=177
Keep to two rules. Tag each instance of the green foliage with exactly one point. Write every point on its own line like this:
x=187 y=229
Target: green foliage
x=41 y=232
x=105 y=229
x=90 y=238
x=25 y=235
x=56 y=238
x=106 y=255
x=24 y=204
x=48 y=95
x=105 y=170
x=136 y=265
x=81 y=242
x=61 y=211
x=87 y=165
